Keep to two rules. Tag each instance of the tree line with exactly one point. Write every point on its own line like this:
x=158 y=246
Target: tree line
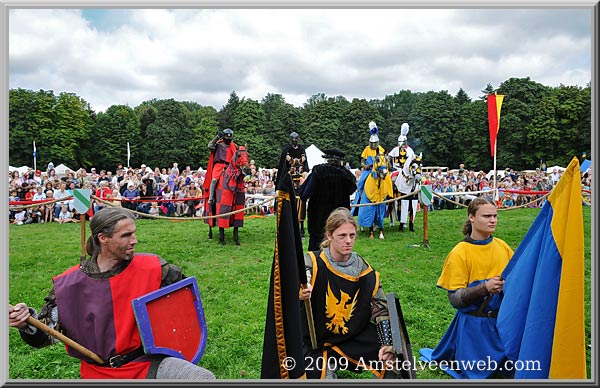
x=537 y=123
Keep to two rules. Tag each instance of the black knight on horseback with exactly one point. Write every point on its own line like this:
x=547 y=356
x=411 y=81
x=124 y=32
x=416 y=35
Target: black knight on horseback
x=293 y=161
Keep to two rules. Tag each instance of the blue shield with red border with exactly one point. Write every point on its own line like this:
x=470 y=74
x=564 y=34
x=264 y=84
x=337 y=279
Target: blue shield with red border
x=171 y=321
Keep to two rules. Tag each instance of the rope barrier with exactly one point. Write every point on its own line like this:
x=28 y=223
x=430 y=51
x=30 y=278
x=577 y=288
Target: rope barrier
x=385 y=201
x=503 y=208
x=142 y=214
x=30 y=204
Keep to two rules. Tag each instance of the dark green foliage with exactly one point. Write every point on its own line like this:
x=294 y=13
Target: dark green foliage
x=226 y=116
x=204 y=122
x=113 y=130
x=537 y=123
x=169 y=137
x=249 y=119
x=434 y=123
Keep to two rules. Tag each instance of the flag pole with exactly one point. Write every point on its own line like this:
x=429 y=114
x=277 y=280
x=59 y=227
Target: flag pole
x=82 y=221
x=310 y=320
x=495 y=173
x=34 y=157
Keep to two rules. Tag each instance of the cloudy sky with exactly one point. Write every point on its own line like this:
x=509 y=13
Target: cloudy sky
x=127 y=56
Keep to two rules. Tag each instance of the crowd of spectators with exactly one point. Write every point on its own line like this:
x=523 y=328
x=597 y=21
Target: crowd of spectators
x=171 y=192
x=158 y=191
x=514 y=188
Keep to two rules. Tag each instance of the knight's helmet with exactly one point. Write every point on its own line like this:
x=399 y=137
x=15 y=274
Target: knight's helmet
x=402 y=145
x=294 y=138
x=374 y=139
x=404 y=128
x=227 y=135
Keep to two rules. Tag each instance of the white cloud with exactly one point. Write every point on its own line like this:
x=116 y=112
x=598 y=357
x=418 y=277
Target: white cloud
x=128 y=56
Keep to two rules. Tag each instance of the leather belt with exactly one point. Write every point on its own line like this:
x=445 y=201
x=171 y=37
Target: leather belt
x=122 y=359
x=489 y=314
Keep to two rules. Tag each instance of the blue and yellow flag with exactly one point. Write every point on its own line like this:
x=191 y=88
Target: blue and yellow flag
x=541 y=320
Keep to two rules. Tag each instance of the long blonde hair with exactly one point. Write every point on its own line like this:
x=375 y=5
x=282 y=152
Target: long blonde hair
x=337 y=218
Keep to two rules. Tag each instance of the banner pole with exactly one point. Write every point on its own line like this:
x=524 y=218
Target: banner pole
x=310 y=320
x=82 y=234
x=426 y=226
x=495 y=173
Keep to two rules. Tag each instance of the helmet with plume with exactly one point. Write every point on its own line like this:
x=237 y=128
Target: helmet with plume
x=374 y=131
x=403 y=132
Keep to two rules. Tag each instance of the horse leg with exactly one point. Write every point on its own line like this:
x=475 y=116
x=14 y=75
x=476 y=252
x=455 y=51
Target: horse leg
x=210 y=232
x=222 y=235
x=404 y=205
x=236 y=236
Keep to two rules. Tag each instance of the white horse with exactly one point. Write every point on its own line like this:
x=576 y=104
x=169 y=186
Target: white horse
x=408 y=181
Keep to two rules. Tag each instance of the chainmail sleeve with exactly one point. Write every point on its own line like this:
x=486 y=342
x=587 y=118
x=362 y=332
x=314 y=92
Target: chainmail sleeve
x=379 y=308
x=467 y=296
x=170 y=273
x=48 y=316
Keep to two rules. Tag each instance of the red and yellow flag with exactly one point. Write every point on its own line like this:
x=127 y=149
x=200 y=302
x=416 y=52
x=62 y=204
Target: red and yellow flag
x=494 y=102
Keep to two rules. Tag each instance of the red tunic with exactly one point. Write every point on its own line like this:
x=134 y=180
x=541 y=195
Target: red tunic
x=217 y=163
x=97 y=313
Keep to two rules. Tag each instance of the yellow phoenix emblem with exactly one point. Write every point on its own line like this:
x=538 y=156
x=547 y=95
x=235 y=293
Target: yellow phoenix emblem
x=339 y=311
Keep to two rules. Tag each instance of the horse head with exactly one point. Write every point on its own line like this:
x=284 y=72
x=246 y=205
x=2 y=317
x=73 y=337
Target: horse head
x=380 y=168
x=241 y=160
x=415 y=167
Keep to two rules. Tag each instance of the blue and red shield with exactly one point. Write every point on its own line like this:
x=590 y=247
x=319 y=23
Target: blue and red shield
x=171 y=321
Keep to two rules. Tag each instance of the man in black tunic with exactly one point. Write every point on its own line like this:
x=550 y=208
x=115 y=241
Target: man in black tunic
x=327 y=187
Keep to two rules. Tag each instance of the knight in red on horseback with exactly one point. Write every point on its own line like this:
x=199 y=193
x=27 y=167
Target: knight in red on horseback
x=221 y=149
x=224 y=185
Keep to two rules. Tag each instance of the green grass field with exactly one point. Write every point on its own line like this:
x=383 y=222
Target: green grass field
x=234 y=282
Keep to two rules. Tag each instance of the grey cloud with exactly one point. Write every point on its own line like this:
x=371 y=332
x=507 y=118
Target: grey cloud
x=532 y=23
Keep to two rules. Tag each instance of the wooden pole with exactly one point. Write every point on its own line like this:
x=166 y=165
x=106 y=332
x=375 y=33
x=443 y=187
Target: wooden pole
x=495 y=173
x=426 y=226
x=48 y=330
x=82 y=220
x=310 y=321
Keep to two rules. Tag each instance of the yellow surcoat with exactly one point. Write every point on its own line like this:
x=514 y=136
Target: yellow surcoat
x=468 y=262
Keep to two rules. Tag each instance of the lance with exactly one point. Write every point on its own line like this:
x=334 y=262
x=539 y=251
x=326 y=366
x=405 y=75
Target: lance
x=48 y=330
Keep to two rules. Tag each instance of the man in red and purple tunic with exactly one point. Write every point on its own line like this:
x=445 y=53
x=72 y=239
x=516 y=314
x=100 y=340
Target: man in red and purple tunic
x=91 y=304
